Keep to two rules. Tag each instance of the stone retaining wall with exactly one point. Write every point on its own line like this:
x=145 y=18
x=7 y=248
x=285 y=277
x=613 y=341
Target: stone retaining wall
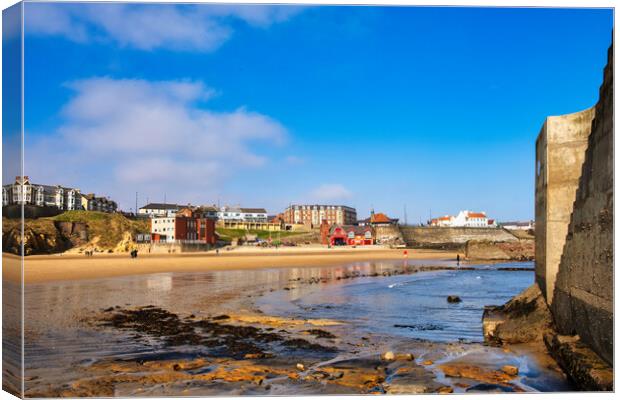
x=452 y=238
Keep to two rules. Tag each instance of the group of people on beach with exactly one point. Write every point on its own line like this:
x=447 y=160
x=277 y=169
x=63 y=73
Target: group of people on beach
x=88 y=253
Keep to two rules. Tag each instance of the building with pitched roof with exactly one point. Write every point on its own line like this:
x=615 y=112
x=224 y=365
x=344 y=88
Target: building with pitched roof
x=346 y=235
x=24 y=192
x=378 y=219
x=464 y=219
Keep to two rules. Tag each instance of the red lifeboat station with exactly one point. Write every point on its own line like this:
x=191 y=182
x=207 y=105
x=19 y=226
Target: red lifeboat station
x=346 y=235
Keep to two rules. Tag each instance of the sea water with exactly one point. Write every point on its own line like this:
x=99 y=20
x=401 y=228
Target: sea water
x=410 y=305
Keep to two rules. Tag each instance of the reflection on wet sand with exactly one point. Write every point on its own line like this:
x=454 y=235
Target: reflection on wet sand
x=11 y=324
x=212 y=333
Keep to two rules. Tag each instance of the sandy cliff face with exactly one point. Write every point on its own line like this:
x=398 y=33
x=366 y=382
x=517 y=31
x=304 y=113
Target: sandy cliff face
x=73 y=231
x=40 y=237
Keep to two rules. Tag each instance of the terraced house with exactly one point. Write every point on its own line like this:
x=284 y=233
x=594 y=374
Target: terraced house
x=91 y=202
x=24 y=192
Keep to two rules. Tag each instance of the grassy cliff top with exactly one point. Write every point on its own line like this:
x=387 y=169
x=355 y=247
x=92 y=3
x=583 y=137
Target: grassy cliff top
x=229 y=234
x=109 y=227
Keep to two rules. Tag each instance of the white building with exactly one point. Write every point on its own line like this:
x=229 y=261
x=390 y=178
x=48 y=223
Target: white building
x=465 y=219
x=471 y=219
x=227 y=213
x=518 y=225
x=446 y=220
x=159 y=210
x=163 y=227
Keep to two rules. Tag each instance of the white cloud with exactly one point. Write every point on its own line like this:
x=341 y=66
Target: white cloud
x=331 y=192
x=256 y=15
x=150 y=26
x=126 y=135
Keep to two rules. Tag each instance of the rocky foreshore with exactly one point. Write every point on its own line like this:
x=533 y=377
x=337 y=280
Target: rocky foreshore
x=258 y=354
x=235 y=348
x=526 y=319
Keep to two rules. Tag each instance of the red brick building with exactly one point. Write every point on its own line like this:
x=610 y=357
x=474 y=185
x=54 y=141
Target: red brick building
x=186 y=225
x=313 y=215
x=347 y=235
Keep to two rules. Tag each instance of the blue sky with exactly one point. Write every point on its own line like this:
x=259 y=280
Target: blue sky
x=435 y=108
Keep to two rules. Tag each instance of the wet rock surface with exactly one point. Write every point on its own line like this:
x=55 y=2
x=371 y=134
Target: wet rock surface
x=525 y=318
x=584 y=366
x=219 y=338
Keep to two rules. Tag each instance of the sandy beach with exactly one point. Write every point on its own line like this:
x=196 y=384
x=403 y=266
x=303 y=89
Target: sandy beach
x=75 y=267
x=300 y=330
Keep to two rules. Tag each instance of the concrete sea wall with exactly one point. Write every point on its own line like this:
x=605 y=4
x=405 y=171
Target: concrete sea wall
x=583 y=294
x=388 y=233
x=452 y=238
x=560 y=151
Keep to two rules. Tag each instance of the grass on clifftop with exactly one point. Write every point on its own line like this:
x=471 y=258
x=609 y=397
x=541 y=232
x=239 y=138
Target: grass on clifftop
x=229 y=234
x=109 y=227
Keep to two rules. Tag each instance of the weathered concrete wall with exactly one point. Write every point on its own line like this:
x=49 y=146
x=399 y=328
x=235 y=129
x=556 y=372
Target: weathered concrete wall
x=583 y=297
x=388 y=233
x=560 y=151
x=440 y=237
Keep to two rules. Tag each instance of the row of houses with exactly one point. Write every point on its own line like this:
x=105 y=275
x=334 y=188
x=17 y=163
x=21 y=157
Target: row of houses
x=226 y=213
x=24 y=192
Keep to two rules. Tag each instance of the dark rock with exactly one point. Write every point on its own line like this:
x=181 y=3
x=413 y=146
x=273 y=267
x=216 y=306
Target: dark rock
x=585 y=367
x=454 y=299
x=321 y=334
x=525 y=318
x=490 y=388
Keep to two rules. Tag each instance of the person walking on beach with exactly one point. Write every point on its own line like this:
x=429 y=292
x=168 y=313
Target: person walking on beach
x=458 y=259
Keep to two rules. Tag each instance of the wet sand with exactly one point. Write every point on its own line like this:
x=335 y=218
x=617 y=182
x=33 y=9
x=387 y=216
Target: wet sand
x=202 y=333
x=75 y=267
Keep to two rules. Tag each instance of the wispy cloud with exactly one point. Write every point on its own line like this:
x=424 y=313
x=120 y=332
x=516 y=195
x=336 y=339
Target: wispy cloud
x=331 y=192
x=201 y=28
x=130 y=135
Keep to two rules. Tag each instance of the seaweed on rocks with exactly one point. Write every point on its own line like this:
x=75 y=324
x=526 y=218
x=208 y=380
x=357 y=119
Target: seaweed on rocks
x=302 y=344
x=321 y=334
x=222 y=339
